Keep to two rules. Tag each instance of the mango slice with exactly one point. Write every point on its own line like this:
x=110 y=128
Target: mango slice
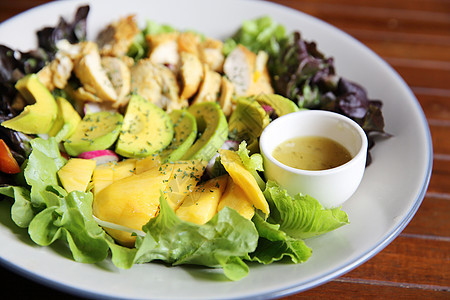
x=244 y=179
x=147 y=163
x=108 y=173
x=201 y=205
x=76 y=174
x=184 y=178
x=131 y=202
x=235 y=198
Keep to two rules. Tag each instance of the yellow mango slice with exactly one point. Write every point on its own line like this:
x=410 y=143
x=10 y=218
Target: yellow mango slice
x=201 y=205
x=76 y=174
x=123 y=168
x=102 y=177
x=106 y=174
x=184 y=178
x=147 y=163
x=243 y=178
x=235 y=197
x=131 y=201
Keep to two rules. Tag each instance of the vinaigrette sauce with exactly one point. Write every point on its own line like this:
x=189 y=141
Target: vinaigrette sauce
x=311 y=153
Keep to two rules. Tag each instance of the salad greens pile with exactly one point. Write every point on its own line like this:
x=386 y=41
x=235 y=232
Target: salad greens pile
x=299 y=71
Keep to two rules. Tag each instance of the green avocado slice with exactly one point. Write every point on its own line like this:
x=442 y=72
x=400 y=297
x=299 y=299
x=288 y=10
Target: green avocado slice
x=247 y=122
x=280 y=104
x=185 y=133
x=66 y=121
x=96 y=131
x=38 y=117
x=212 y=130
x=147 y=129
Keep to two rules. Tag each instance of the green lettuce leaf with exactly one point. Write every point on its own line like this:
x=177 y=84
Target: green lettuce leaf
x=259 y=34
x=274 y=244
x=21 y=211
x=221 y=242
x=45 y=153
x=301 y=216
x=72 y=220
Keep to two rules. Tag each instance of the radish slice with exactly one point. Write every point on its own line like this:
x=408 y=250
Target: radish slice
x=100 y=156
x=267 y=108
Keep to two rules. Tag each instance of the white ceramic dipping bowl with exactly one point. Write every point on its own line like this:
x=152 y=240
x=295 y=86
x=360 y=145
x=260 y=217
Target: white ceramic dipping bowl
x=330 y=187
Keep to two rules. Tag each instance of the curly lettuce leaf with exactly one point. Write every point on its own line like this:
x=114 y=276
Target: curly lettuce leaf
x=274 y=244
x=45 y=153
x=71 y=220
x=221 y=242
x=259 y=34
x=21 y=211
x=301 y=216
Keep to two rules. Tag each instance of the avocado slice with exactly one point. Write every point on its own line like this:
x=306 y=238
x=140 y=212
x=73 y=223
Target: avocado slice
x=185 y=133
x=247 y=122
x=96 y=131
x=213 y=130
x=147 y=129
x=280 y=104
x=38 y=117
x=66 y=121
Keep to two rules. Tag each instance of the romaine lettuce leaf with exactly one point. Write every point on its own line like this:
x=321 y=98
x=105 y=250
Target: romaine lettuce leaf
x=302 y=216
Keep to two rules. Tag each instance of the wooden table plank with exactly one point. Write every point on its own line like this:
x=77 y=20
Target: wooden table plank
x=345 y=288
x=435 y=103
x=410 y=260
x=432 y=217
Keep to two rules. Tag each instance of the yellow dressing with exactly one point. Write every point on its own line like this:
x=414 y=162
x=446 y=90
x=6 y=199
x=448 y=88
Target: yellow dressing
x=311 y=153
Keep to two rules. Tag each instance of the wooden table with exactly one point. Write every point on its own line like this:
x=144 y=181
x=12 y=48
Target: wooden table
x=414 y=37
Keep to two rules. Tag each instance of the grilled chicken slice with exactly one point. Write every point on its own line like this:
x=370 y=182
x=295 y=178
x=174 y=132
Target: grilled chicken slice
x=261 y=83
x=58 y=71
x=116 y=39
x=190 y=74
x=210 y=86
x=248 y=73
x=170 y=89
x=144 y=81
x=156 y=83
x=210 y=53
x=120 y=77
x=163 y=48
x=91 y=74
x=189 y=42
x=226 y=96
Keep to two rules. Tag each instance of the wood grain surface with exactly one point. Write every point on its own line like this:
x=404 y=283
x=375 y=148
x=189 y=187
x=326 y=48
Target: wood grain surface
x=413 y=36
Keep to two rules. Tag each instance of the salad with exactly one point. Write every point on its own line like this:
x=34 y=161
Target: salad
x=149 y=138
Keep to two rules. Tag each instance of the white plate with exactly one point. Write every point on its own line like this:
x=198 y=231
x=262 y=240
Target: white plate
x=390 y=193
